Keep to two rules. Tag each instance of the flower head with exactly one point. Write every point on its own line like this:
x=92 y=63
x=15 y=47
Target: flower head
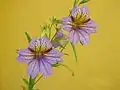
x=79 y=25
x=39 y=56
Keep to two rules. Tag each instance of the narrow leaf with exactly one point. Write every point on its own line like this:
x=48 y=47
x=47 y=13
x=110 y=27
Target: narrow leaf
x=28 y=36
x=74 y=50
x=25 y=81
x=55 y=65
x=43 y=32
x=84 y=1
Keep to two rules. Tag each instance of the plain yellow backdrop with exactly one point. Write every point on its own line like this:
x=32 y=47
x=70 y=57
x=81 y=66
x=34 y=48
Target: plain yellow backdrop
x=99 y=62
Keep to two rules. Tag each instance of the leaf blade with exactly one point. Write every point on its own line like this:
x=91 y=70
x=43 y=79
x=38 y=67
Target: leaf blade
x=28 y=37
x=25 y=81
x=84 y=1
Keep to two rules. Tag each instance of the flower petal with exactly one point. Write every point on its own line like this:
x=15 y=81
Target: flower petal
x=45 y=68
x=53 y=60
x=25 y=52
x=33 y=68
x=54 y=53
x=73 y=37
x=45 y=43
x=84 y=37
x=66 y=27
x=81 y=14
x=66 y=19
x=25 y=55
x=34 y=44
x=24 y=59
x=89 y=27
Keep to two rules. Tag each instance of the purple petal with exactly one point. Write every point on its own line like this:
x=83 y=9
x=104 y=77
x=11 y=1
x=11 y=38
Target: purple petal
x=89 y=27
x=83 y=12
x=45 y=43
x=75 y=11
x=66 y=27
x=45 y=68
x=53 y=60
x=23 y=59
x=84 y=37
x=33 y=68
x=73 y=37
x=25 y=52
x=66 y=19
x=54 y=53
x=25 y=55
x=34 y=44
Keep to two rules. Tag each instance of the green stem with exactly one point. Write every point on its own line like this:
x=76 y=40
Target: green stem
x=63 y=47
x=55 y=26
x=38 y=80
x=50 y=30
x=54 y=35
x=31 y=83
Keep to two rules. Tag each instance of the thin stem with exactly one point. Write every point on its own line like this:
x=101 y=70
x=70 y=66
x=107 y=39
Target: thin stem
x=38 y=79
x=50 y=29
x=31 y=81
x=55 y=26
x=63 y=47
x=54 y=35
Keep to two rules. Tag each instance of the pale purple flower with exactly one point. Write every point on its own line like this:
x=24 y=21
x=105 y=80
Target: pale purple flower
x=79 y=25
x=60 y=40
x=39 y=56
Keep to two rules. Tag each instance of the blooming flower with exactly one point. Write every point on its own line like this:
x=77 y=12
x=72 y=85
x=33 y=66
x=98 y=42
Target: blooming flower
x=79 y=25
x=39 y=56
x=60 y=39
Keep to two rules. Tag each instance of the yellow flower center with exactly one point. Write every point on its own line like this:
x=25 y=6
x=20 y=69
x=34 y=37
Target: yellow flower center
x=78 y=21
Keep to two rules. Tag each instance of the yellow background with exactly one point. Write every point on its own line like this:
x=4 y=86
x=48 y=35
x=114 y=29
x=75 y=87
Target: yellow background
x=99 y=62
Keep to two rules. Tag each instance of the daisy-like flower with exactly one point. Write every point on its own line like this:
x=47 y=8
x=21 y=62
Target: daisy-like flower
x=79 y=25
x=60 y=39
x=39 y=56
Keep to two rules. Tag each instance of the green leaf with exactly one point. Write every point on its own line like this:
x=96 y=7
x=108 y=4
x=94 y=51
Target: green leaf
x=44 y=30
x=84 y=1
x=43 y=33
x=25 y=81
x=74 y=50
x=55 y=65
x=28 y=36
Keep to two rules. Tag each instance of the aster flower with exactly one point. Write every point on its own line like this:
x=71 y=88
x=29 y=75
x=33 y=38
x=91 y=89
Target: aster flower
x=79 y=25
x=39 y=56
x=60 y=40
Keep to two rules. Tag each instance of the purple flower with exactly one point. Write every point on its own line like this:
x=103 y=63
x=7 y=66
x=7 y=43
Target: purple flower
x=79 y=25
x=39 y=56
x=60 y=40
